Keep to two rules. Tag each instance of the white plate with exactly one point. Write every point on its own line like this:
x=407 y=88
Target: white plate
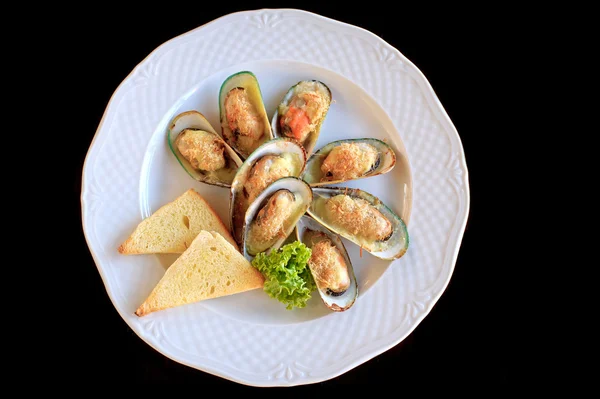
x=250 y=338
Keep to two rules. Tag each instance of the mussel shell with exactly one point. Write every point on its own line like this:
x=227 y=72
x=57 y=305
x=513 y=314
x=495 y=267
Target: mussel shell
x=338 y=303
x=276 y=146
x=249 y=82
x=298 y=188
x=393 y=247
x=313 y=174
x=310 y=142
x=195 y=120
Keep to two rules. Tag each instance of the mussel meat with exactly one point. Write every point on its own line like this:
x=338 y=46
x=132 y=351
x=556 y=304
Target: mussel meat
x=273 y=215
x=269 y=224
x=302 y=112
x=358 y=217
x=203 y=154
x=329 y=264
x=203 y=150
x=273 y=160
x=244 y=122
x=361 y=218
x=345 y=160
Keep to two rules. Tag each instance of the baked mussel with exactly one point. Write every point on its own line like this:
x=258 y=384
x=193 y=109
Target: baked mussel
x=277 y=158
x=345 y=160
x=301 y=113
x=329 y=264
x=244 y=121
x=203 y=154
x=273 y=215
x=361 y=218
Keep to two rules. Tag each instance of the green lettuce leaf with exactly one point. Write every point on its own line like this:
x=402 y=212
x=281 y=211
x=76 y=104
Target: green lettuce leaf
x=287 y=276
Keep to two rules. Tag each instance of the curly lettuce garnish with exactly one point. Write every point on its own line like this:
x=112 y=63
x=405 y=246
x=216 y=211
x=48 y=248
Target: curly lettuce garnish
x=287 y=275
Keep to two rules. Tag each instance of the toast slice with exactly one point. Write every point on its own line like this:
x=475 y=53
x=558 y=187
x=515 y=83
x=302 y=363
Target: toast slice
x=211 y=267
x=173 y=227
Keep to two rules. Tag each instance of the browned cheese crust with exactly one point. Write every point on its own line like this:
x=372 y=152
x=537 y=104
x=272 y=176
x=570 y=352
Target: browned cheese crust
x=358 y=217
x=264 y=172
x=203 y=150
x=243 y=120
x=329 y=267
x=348 y=161
x=269 y=224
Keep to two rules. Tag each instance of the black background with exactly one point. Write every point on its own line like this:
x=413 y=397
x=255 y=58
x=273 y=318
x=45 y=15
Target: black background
x=458 y=341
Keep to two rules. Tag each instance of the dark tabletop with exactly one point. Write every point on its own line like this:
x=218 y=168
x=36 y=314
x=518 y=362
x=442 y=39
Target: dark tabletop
x=456 y=341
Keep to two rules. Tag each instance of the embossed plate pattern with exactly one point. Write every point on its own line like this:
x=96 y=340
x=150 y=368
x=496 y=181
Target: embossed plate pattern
x=117 y=193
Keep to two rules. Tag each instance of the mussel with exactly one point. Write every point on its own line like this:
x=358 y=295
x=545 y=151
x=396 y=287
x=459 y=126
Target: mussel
x=361 y=218
x=301 y=113
x=273 y=160
x=329 y=264
x=273 y=215
x=203 y=154
x=244 y=122
x=345 y=160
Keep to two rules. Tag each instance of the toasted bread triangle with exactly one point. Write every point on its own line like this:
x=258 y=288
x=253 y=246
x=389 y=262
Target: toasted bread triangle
x=211 y=267
x=173 y=227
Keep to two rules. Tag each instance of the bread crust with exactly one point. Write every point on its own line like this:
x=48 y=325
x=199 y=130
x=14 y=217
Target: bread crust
x=127 y=247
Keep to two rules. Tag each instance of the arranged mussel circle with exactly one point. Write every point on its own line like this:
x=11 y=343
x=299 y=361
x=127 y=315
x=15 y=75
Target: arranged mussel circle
x=301 y=113
x=244 y=121
x=273 y=215
x=273 y=160
x=329 y=264
x=202 y=153
x=280 y=191
x=345 y=160
x=361 y=218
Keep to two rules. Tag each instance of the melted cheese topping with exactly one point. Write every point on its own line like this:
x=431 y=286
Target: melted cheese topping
x=329 y=267
x=203 y=150
x=358 y=217
x=270 y=222
x=264 y=172
x=243 y=120
x=304 y=111
x=348 y=161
